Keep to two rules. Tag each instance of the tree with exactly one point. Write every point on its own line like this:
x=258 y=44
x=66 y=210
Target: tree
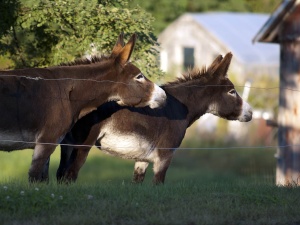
x=50 y=32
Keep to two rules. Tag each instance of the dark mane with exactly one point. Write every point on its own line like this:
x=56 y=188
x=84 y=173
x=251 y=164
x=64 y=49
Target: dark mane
x=191 y=74
x=85 y=61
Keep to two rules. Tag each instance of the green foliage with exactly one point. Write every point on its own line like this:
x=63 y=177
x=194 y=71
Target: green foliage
x=164 y=11
x=262 y=6
x=5 y=62
x=49 y=32
x=8 y=15
x=40 y=33
x=267 y=88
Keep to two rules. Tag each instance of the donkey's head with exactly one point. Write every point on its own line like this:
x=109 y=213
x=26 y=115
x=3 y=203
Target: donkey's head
x=226 y=102
x=131 y=86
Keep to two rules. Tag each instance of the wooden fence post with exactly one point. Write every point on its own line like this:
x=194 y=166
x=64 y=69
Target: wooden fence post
x=288 y=156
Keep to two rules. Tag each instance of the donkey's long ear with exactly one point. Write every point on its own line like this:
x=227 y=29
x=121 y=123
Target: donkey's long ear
x=223 y=66
x=214 y=65
x=125 y=53
x=118 y=46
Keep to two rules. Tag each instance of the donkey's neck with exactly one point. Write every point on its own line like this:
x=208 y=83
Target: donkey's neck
x=193 y=96
x=89 y=86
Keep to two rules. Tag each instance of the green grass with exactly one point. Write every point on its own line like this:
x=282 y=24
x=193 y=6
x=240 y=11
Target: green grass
x=256 y=165
x=202 y=187
x=174 y=203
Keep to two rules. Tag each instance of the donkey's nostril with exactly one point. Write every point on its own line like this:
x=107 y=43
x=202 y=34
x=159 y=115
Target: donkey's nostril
x=248 y=117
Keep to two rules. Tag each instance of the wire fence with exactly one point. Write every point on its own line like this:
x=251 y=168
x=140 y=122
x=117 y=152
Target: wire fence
x=117 y=82
x=183 y=85
x=198 y=148
x=38 y=78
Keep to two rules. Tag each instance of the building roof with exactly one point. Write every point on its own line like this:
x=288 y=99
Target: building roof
x=270 y=30
x=236 y=30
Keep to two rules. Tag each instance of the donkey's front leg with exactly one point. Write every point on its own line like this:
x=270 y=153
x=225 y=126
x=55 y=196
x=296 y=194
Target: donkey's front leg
x=40 y=158
x=161 y=165
x=139 y=172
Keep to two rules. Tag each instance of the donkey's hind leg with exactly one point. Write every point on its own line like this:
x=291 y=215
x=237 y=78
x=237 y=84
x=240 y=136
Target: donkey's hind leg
x=67 y=156
x=161 y=165
x=78 y=158
x=139 y=171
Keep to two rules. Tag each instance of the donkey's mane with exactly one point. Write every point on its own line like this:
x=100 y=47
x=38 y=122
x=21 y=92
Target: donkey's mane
x=190 y=75
x=85 y=61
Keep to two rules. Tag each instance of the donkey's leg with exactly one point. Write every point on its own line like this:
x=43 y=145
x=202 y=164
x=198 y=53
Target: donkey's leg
x=39 y=159
x=161 y=165
x=45 y=173
x=79 y=154
x=78 y=158
x=139 y=171
x=66 y=154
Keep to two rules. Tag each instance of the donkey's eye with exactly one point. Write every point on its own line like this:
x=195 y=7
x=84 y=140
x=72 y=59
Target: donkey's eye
x=139 y=76
x=232 y=92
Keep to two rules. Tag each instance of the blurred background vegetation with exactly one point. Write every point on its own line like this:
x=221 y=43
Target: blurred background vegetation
x=39 y=33
x=198 y=165
x=166 y=11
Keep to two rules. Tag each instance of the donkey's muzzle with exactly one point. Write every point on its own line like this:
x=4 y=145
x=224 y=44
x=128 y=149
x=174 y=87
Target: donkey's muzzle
x=246 y=113
x=158 y=97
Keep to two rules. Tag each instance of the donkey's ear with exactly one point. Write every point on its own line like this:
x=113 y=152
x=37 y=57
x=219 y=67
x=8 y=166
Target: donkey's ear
x=214 y=65
x=125 y=53
x=118 y=46
x=223 y=66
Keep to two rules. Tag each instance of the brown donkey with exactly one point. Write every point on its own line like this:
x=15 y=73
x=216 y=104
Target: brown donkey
x=39 y=106
x=151 y=135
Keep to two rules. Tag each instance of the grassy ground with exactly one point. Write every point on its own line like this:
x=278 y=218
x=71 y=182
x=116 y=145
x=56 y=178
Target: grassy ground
x=202 y=187
x=174 y=203
x=255 y=165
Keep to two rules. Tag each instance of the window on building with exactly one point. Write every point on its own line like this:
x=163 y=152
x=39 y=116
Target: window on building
x=188 y=58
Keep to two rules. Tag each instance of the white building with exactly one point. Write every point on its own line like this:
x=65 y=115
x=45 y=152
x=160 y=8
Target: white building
x=197 y=38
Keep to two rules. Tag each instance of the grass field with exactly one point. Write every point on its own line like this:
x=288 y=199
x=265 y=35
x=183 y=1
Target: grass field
x=184 y=202
x=202 y=187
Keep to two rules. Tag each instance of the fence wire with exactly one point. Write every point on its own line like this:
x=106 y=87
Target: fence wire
x=179 y=148
x=38 y=78
x=117 y=82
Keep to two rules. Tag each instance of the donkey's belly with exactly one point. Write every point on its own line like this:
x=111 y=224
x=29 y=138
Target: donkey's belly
x=129 y=146
x=10 y=141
